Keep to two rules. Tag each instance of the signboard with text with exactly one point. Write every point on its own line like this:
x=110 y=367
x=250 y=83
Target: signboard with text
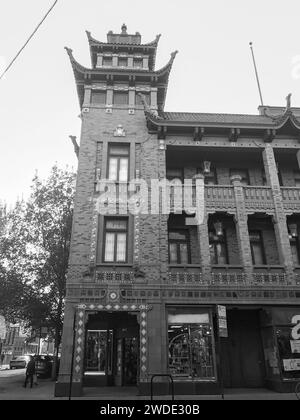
x=222 y=321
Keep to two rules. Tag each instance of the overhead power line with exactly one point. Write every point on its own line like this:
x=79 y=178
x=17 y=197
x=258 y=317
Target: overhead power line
x=28 y=40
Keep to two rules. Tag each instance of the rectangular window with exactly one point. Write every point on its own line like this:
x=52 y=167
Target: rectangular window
x=115 y=240
x=99 y=97
x=138 y=100
x=120 y=98
x=244 y=174
x=138 y=63
x=118 y=163
x=107 y=61
x=123 y=62
x=218 y=249
x=179 y=252
x=257 y=248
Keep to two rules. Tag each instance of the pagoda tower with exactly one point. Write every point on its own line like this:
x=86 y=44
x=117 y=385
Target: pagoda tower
x=113 y=95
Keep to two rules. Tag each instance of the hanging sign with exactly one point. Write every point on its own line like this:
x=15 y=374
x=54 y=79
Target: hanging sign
x=222 y=321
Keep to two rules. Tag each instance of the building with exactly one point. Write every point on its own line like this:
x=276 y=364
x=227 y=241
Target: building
x=14 y=342
x=143 y=289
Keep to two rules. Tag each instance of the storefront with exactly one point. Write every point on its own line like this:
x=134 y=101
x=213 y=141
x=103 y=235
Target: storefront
x=262 y=349
x=281 y=339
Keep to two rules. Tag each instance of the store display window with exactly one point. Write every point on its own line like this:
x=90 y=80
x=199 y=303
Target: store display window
x=191 y=345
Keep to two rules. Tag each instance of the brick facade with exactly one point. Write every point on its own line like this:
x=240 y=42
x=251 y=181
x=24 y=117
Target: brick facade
x=147 y=285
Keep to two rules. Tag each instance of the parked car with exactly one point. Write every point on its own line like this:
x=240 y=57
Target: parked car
x=44 y=365
x=19 y=362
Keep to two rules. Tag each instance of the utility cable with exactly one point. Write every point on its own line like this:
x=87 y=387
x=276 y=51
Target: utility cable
x=28 y=40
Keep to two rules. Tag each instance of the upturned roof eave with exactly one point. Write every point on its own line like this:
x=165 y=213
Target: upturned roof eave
x=161 y=122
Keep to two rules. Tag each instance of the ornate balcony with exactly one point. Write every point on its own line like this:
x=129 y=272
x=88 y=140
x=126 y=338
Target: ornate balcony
x=257 y=197
x=291 y=198
x=231 y=276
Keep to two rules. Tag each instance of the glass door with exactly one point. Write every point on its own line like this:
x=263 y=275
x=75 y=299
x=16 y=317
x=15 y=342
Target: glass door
x=99 y=347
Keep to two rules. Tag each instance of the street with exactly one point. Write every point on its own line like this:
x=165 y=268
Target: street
x=11 y=387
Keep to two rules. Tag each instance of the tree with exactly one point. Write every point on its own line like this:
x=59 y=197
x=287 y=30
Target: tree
x=34 y=253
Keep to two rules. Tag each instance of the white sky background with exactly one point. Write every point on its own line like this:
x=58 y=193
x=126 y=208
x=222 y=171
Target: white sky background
x=213 y=71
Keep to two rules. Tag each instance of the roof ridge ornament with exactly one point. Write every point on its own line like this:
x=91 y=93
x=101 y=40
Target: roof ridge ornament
x=124 y=29
x=288 y=102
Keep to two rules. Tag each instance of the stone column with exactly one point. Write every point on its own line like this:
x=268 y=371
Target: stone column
x=109 y=97
x=146 y=62
x=280 y=221
x=63 y=383
x=99 y=60
x=203 y=239
x=87 y=96
x=131 y=98
x=242 y=231
x=153 y=98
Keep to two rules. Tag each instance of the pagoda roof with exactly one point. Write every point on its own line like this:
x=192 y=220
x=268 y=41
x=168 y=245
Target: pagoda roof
x=135 y=46
x=84 y=75
x=173 y=122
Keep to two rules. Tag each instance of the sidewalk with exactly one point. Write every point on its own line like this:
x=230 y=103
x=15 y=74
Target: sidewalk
x=45 y=391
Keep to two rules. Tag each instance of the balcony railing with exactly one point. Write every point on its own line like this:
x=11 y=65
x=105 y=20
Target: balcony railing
x=232 y=277
x=290 y=196
x=258 y=196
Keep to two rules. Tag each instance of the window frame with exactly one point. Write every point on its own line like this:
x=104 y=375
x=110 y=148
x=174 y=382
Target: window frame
x=178 y=242
x=118 y=156
x=262 y=246
x=115 y=232
x=222 y=240
x=115 y=93
x=99 y=91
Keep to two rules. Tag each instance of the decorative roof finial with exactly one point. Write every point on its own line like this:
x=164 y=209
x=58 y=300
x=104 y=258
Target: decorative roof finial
x=124 y=29
x=288 y=101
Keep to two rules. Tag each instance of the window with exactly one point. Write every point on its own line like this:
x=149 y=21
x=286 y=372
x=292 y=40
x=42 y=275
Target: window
x=297 y=178
x=257 y=248
x=99 y=97
x=138 y=63
x=138 y=100
x=175 y=174
x=107 y=61
x=295 y=250
x=218 y=249
x=115 y=240
x=120 y=98
x=191 y=352
x=179 y=252
x=244 y=174
x=118 y=163
x=123 y=62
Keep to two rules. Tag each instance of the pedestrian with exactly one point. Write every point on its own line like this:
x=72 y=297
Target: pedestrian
x=30 y=372
x=2 y=358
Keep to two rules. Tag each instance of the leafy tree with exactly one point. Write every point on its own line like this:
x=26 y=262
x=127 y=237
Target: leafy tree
x=34 y=252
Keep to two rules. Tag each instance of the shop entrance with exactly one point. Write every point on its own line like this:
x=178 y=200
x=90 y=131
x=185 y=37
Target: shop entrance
x=242 y=351
x=111 y=350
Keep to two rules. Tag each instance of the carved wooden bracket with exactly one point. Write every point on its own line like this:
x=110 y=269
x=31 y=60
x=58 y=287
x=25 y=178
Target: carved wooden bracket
x=269 y=135
x=198 y=133
x=234 y=134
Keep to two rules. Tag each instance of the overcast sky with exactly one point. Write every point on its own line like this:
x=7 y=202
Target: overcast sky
x=213 y=71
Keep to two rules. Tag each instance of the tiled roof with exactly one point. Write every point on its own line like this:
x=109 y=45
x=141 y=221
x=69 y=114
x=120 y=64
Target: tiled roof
x=215 y=118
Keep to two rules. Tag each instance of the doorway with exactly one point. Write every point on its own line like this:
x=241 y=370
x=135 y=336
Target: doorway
x=242 y=352
x=111 y=350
